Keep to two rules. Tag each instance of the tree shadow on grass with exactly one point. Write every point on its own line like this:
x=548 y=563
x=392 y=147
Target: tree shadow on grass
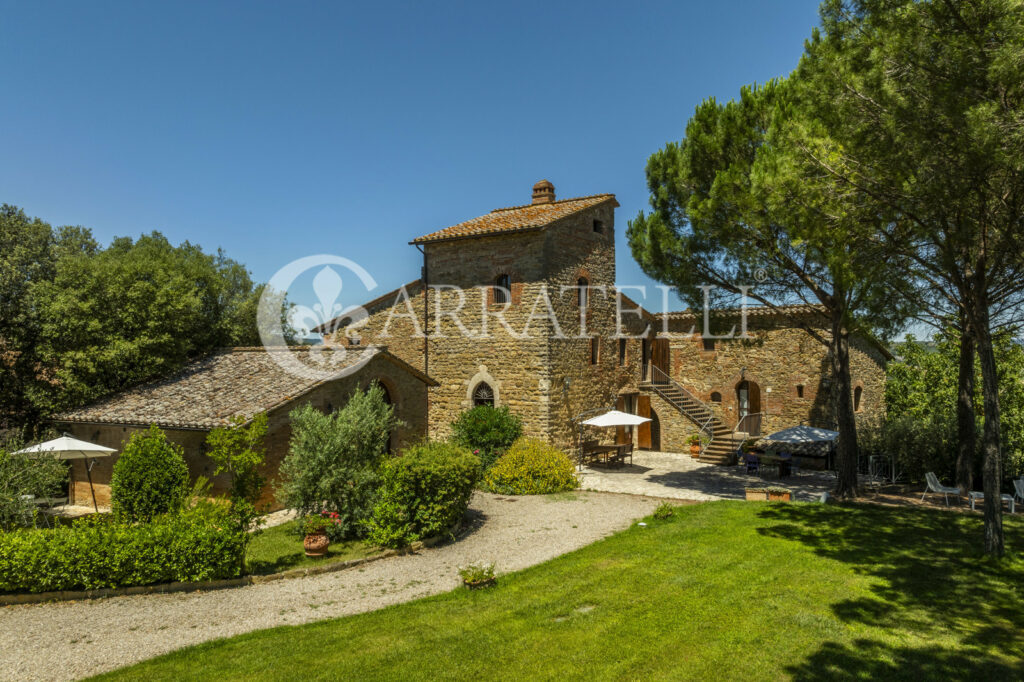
x=929 y=576
x=870 y=660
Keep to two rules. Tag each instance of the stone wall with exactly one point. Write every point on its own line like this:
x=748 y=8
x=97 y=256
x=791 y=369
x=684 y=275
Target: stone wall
x=574 y=250
x=788 y=366
x=513 y=361
x=407 y=393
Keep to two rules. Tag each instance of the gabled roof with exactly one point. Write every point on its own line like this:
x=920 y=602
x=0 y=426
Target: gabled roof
x=516 y=218
x=232 y=382
x=383 y=301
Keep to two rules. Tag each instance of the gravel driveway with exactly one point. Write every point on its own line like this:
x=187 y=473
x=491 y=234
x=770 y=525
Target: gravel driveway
x=68 y=640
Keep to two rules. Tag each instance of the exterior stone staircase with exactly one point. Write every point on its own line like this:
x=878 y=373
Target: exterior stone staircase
x=721 y=447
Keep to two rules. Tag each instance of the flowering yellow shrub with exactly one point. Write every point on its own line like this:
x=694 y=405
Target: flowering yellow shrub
x=531 y=467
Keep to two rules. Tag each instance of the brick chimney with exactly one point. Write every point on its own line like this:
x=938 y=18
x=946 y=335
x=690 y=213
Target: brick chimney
x=543 y=192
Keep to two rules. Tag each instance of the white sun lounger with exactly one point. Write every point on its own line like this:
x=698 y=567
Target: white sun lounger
x=933 y=486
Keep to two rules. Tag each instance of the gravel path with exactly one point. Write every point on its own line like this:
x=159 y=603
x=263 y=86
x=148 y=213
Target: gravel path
x=68 y=640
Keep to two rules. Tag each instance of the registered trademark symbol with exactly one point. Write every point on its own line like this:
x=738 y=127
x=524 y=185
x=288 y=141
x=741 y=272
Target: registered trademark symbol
x=760 y=274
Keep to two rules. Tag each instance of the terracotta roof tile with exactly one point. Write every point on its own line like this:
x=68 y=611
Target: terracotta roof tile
x=753 y=311
x=515 y=218
x=208 y=392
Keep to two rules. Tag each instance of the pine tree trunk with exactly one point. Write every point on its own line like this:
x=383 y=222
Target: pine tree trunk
x=966 y=427
x=846 y=444
x=990 y=445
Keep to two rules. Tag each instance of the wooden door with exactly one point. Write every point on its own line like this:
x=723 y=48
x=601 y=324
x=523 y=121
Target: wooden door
x=643 y=432
x=660 y=359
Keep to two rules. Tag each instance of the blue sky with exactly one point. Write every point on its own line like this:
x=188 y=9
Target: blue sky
x=281 y=130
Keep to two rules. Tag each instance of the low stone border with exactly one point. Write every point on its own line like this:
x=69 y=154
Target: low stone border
x=209 y=585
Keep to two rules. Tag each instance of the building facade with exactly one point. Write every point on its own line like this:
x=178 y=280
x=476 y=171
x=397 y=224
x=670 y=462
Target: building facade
x=237 y=382
x=519 y=307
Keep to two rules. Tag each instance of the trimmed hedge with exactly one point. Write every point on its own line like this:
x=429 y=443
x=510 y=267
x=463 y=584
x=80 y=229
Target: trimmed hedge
x=531 y=467
x=203 y=543
x=424 y=492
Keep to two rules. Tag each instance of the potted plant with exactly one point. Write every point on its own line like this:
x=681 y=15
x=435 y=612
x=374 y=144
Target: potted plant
x=476 y=576
x=757 y=494
x=777 y=494
x=694 y=442
x=315 y=540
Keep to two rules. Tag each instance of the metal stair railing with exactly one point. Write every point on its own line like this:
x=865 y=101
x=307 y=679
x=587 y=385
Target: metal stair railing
x=751 y=424
x=692 y=407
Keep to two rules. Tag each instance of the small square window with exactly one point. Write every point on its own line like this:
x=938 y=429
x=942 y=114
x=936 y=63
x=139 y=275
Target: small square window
x=598 y=226
x=709 y=344
x=799 y=390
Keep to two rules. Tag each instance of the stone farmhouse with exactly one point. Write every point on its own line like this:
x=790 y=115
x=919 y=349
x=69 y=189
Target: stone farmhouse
x=521 y=309
x=237 y=382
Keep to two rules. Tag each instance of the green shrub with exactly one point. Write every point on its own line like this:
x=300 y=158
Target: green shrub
x=150 y=477
x=531 y=467
x=333 y=460
x=238 y=450
x=487 y=431
x=424 y=493
x=200 y=543
x=918 y=444
x=665 y=510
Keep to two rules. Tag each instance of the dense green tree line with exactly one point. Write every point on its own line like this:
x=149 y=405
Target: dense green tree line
x=79 y=321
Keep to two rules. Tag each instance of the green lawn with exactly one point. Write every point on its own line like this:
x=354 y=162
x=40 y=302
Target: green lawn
x=722 y=590
x=280 y=549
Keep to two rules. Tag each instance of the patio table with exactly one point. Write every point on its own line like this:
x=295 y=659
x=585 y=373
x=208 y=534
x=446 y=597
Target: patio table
x=603 y=451
x=978 y=495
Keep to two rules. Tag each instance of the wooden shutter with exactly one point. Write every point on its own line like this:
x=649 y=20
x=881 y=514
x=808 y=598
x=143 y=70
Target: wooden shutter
x=643 y=432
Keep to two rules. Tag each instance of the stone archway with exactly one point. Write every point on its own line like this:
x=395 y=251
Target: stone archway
x=482 y=377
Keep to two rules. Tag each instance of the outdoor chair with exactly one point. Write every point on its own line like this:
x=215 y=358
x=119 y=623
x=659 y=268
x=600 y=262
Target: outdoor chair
x=1018 y=489
x=618 y=457
x=932 y=485
x=753 y=463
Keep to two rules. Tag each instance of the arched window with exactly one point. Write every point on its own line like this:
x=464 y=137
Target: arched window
x=716 y=397
x=483 y=394
x=582 y=286
x=858 y=393
x=502 y=286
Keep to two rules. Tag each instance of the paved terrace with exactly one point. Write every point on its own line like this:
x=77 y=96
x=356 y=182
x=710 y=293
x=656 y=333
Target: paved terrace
x=679 y=476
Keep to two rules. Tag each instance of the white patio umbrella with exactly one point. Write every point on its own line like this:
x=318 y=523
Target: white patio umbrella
x=67 y=447
x=616 y=418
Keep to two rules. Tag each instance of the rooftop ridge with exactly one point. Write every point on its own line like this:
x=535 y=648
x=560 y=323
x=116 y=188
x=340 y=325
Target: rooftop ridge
x=551 y=203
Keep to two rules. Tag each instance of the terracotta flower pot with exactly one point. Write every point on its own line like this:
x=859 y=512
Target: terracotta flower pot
x=695 y=451
x=316 y=544
x=756 y=494
x=780 y=497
